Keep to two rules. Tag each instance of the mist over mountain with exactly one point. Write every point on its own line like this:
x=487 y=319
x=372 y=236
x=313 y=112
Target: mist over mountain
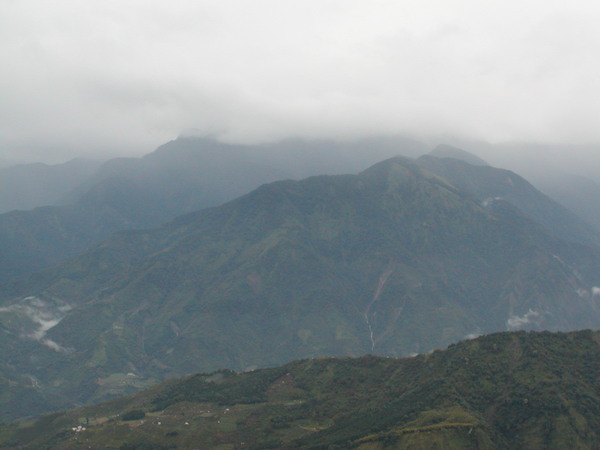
x=301 y=214
x=393 y=261
x=449 y=151
x=30 y=185
x=489 y=184
x=567 y=173
x=192 y=173
x=581 y=194
x=179 y=177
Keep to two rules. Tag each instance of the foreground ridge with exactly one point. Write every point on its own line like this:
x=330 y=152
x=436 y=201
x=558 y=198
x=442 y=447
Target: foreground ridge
x=505 y=390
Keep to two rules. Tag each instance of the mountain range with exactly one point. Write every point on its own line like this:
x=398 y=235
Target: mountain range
x=396 y=260
x=26 y=186
x=179 y=177
x=188 y=174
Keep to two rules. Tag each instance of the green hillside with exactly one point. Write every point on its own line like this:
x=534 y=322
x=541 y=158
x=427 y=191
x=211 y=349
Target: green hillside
x=488 y=184
x=179 y=177
x=509 y=390
x=393 y=261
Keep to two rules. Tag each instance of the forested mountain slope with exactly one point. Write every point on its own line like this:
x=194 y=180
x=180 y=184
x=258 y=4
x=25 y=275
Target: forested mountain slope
x=508 y=390
x=393 y=261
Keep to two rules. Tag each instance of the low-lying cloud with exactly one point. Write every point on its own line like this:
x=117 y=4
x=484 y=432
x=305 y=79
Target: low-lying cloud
x=517 y=322
x=42 y=316
x=107 y=77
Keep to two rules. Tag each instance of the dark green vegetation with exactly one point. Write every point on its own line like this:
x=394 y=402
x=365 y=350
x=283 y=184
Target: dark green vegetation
x=508 y=390
x=179 y=177
x=392 y=261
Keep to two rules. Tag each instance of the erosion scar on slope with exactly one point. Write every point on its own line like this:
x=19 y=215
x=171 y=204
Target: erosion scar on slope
x=382 y=280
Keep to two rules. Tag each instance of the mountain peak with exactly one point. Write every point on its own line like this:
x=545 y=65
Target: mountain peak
x=448 y=151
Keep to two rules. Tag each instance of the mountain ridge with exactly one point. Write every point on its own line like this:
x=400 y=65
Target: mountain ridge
x=489 y=184
x=504 y=390
x=179 y=177
x=26 y=186
x=395 y=260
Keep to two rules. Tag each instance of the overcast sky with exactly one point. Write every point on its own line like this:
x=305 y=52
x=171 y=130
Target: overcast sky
x=109 y=77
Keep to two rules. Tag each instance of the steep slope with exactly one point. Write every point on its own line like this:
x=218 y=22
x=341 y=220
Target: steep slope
x=565 y=172
x=392 y=261
x=509 y=390
x=488 y=184
x=181 y=176
x=580 y=194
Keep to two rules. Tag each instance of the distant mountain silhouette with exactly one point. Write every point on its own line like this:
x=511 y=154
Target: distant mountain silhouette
x=27 y=186
x=181 y=176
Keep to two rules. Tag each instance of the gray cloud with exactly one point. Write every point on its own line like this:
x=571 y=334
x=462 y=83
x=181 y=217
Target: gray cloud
x=110 y=77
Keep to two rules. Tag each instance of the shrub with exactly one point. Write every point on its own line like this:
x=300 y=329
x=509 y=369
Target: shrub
x=134 y=414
